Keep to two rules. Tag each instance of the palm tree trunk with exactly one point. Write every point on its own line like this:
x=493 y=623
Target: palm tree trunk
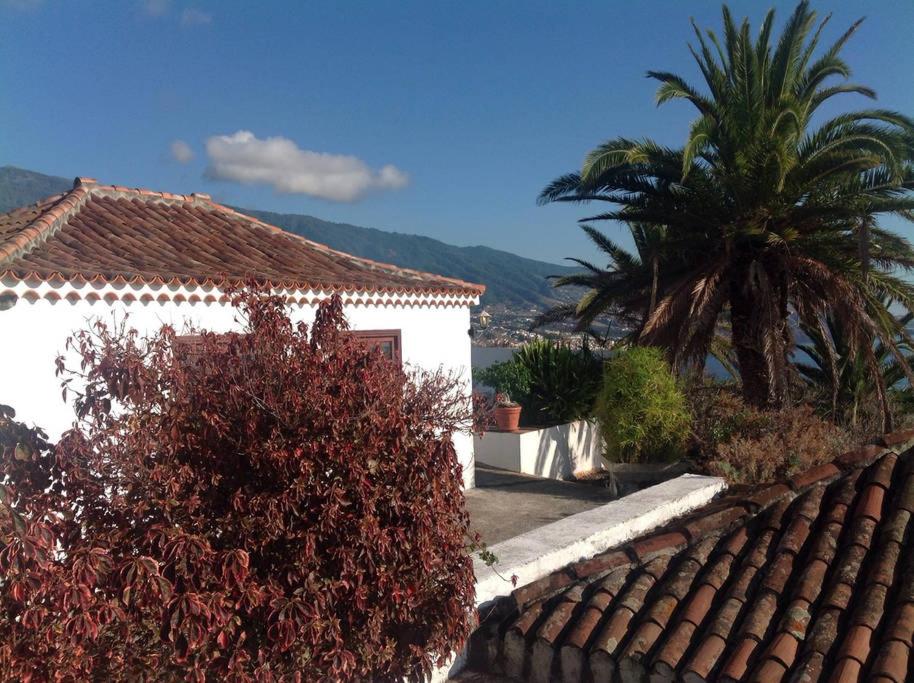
x=755 y=319
x=753 y=369
x=655 y=265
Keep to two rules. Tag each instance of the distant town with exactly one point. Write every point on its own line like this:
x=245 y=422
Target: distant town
x=514 y=326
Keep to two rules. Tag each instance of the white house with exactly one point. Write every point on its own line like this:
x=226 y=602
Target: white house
x=99 y=250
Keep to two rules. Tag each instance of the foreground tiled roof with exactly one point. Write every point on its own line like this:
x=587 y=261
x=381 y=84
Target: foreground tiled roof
x=810 y=580
x=104 y=233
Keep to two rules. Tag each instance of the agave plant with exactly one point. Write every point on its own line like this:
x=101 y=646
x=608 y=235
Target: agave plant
x=767 y=210
x=563 y=381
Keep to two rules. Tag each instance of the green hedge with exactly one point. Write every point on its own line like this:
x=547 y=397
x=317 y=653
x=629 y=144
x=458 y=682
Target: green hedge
x=642 y=411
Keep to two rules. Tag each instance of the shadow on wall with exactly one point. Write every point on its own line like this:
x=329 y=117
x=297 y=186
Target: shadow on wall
x=568 y=448
x=554 y=452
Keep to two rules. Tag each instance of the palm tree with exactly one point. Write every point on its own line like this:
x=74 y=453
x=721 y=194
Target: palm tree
x=842 y=376
x=765 y=206
x=629 y=287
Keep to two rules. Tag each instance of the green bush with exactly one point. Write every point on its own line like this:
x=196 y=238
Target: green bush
x=506 y=378
x=642 y=412
x=552 y=382
x=563 y=382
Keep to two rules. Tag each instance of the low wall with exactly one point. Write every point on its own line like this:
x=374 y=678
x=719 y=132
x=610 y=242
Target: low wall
x=554 y=452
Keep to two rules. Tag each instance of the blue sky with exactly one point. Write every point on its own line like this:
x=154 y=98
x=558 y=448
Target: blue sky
x=437 y=118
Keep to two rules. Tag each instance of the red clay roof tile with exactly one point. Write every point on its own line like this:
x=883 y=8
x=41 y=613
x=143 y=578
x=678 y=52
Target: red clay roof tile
x=771 y=671
x=738 y=664
x=816 y=474
x=111 y=233
x=716 y=522
x=892 y=662
x=816 y=586
x=846 y=671
x=784 y=649
x=860 y=457
x=542 y=588
x=901 y=439
x=769 y=494
x=902 y=626
x=707 y=656
x=653 y=545
x=870 y=503
x=600 y=564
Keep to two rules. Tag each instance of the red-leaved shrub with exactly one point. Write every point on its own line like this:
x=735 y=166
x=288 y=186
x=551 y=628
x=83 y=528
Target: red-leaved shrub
x=273 y=506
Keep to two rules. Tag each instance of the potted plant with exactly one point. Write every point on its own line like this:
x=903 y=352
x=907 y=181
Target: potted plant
x=507 y=413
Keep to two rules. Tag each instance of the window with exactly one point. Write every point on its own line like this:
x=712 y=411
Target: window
x=388 y=341
x=188 y=348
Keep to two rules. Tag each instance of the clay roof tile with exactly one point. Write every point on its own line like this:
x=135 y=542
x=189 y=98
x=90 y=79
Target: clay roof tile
x=105 y=233
x=812 y=585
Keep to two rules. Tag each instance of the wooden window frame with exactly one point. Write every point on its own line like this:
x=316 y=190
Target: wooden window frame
x=187 y=347
x=377 y=337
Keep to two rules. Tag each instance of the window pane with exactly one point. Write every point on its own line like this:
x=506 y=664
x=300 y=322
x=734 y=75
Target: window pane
x=386 y=341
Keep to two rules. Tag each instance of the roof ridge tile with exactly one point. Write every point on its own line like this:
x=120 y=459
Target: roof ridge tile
x=43 y=226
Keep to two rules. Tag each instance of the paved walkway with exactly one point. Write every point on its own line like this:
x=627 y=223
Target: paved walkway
x=505 y=504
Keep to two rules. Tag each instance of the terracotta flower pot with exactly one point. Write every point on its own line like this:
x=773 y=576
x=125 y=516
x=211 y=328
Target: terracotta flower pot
x=507 y=418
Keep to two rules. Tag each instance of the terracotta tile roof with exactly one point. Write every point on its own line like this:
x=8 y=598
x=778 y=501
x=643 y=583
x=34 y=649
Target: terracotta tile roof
x=111 y=232
x=811 y=581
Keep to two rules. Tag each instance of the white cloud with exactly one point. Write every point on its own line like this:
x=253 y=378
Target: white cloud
x=181 y=151
x=195 y=17
x=280 y=163
x=156 y=8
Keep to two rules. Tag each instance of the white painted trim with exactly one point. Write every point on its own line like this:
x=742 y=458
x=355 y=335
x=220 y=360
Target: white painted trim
x=542 y=551
x=144 y=294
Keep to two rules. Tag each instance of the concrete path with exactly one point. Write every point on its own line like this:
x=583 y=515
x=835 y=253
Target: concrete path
x=505 y=504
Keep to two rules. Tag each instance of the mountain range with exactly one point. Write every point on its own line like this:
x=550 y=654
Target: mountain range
x=511 y=280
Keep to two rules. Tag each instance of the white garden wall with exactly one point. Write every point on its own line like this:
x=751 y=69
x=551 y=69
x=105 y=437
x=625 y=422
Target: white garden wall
x=32 y=334
x=554 y=452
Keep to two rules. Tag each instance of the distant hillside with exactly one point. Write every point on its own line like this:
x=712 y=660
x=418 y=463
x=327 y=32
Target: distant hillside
x=510 y=279
x=19 y=187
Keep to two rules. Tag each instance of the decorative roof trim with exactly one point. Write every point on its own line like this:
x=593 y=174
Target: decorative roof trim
x=163 y=292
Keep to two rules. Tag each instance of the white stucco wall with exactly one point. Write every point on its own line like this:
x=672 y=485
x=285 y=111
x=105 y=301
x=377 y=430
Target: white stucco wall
x=555 y=452
x=32 y=334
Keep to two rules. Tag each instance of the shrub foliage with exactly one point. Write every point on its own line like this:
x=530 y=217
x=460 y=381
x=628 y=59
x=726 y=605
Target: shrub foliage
x=563 y=381
x=505 y=378
x=279 y=506
x=552 y=382
x=747 y=445
x=642 y=412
